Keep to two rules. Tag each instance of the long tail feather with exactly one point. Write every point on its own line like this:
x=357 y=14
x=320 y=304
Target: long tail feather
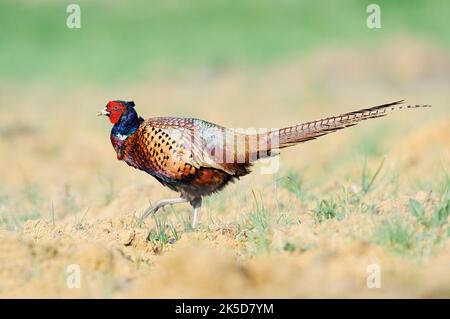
x=303 y=132
x=311 y=130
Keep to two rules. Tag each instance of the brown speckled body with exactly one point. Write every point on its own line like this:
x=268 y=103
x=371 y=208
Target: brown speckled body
x=173 y=150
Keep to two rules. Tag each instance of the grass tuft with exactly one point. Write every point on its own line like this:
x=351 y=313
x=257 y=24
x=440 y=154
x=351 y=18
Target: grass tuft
x=164 y=233
x=256 y=229
x=368 y=180
x=396 y=235
x=328 y=209
x=293 y=182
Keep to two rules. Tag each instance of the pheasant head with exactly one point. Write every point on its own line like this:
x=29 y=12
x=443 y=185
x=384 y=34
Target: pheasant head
x=115 y=110
x=123 y=115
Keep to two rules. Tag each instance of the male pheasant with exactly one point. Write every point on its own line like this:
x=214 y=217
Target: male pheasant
x=197 y=158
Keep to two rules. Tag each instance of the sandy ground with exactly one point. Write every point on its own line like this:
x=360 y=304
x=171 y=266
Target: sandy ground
x=65 y=200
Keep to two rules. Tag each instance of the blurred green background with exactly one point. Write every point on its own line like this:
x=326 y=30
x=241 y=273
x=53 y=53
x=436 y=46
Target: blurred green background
x=123 y=41
x=241 y=64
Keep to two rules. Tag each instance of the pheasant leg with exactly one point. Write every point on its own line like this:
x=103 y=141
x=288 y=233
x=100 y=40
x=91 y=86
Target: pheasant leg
x=160 y=204
x=197 y=204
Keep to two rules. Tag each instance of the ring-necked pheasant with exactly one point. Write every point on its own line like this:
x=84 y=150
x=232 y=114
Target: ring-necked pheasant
x=197 y=158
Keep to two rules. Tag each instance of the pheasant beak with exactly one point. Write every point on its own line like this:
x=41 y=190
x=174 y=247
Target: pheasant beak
x=103 y=112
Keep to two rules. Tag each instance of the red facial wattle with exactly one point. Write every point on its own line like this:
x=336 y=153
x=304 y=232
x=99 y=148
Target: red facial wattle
x=115 y=110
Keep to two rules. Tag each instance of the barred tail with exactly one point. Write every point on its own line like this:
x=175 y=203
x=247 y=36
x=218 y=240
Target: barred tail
x=311 y=130
x=303 y=132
